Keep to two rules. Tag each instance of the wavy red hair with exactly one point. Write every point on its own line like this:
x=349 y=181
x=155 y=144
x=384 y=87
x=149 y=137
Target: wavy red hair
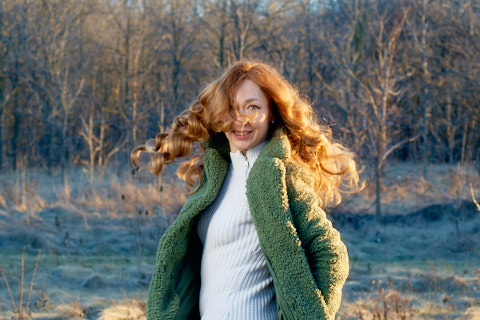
x=332 y=166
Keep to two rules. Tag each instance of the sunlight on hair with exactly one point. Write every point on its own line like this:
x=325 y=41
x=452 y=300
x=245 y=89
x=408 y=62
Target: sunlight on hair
x=331 y=165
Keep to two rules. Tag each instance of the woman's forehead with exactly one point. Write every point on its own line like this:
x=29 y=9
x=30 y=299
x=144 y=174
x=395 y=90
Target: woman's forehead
x=246 y=92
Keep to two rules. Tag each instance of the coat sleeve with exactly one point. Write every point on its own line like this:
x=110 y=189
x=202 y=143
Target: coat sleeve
x=326 y=253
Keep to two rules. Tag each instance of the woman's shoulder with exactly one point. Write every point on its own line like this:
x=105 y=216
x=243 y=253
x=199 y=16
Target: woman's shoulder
x=297 y=173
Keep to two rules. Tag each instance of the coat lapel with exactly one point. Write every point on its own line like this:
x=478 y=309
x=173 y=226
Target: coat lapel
x=269 y=205
x=175 y=241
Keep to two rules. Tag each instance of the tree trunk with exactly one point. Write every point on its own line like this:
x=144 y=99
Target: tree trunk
x=378 y=192
x=425 y=92
x=381 y=139
x=450 y=131
x=15 y=129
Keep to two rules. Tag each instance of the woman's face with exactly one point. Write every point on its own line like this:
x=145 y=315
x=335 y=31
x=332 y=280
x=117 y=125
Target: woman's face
x=250 y=119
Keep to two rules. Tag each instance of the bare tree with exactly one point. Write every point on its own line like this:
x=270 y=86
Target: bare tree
x=243 y=15
x=99 y=77
x=274 y=32
x=94 y=133
x=378 y=91
x=215 y=19
x=421 y=44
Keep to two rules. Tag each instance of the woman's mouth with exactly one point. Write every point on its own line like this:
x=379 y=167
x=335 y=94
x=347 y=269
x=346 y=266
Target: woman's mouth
x=241 y=134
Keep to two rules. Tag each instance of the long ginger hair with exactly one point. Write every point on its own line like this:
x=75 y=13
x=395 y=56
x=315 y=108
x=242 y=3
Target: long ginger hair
x=332 y=166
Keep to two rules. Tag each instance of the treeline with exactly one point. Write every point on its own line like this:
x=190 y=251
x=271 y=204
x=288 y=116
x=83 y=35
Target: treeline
x=85 y=81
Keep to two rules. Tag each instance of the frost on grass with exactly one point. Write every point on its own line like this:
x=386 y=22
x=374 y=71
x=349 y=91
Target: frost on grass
x=99 y=241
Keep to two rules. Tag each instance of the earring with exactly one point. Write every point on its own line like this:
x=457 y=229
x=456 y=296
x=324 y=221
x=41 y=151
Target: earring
x=272 y=122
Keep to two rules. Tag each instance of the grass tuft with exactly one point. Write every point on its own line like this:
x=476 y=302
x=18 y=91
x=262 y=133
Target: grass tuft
x=74 y=310
x=386 y=304
x=131 y=309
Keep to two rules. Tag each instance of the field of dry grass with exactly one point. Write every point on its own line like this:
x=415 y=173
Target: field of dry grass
x=97 y=243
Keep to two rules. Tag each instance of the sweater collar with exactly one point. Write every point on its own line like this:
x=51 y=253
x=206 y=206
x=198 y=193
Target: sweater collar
x=239 y=159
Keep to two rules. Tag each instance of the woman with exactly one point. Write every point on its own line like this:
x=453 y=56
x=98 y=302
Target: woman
x=252 y=240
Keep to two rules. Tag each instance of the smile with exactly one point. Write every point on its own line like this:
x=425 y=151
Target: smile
x=241 y=134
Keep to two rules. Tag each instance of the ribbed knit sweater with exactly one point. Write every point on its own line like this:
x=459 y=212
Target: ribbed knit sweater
x=235 y=281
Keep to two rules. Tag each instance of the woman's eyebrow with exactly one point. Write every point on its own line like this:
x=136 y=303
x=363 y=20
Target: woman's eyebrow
x=251 y=100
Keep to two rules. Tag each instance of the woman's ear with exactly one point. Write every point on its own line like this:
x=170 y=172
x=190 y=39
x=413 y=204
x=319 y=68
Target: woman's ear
x=276 y=118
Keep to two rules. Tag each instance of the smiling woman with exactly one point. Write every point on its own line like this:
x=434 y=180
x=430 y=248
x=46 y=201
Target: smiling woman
x=250 y=125
x=252 y=240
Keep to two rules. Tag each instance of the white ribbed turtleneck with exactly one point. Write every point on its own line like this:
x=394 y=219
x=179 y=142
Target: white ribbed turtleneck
x=235 y=281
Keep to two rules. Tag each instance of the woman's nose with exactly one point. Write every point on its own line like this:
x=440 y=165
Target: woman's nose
x=240 y=118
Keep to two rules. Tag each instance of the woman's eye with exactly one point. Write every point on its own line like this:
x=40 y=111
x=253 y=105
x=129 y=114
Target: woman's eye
x=253 y=107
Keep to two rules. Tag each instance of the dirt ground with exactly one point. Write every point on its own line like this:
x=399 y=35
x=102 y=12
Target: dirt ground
x=421 y=260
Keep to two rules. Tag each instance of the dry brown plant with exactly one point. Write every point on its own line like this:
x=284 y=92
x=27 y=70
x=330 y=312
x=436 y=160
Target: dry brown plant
x=125 y=196
x=477 y=273
x=3 y=202
x=386 y=304
x=74 y=310
x=23 y=197
x=20 y=313
x=473 y=197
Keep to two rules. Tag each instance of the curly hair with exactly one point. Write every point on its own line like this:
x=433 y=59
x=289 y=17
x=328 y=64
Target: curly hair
x=332 y=166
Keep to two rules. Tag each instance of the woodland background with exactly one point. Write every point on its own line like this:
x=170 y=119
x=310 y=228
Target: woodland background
x=83 y=82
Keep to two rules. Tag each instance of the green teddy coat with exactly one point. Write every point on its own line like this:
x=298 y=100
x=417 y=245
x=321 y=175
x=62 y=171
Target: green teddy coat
x=304 y=253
